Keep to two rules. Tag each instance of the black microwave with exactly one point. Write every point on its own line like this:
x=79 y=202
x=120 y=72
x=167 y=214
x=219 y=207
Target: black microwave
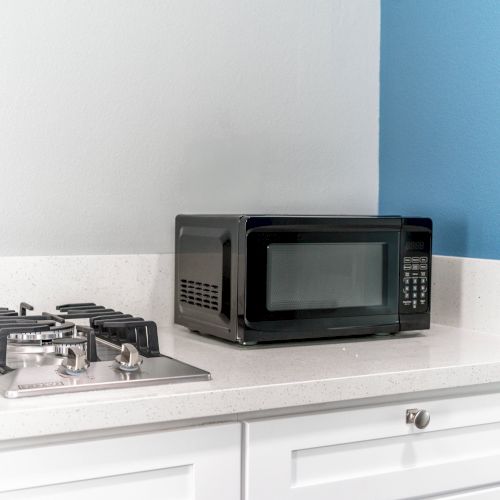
x=268 y=278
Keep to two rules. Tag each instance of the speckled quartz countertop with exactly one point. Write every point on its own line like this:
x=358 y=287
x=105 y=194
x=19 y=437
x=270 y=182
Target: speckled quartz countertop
x=256 y=379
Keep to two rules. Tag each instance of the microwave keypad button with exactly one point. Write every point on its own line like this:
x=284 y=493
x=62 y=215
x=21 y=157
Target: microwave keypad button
x=407 y=260
x=424 y=260
x=414 y=292
x=415 y=260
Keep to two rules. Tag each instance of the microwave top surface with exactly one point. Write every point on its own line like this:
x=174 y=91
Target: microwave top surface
x=299 y=216
x=260 y=220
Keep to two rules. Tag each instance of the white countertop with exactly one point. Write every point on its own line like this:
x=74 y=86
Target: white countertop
x=253 y=379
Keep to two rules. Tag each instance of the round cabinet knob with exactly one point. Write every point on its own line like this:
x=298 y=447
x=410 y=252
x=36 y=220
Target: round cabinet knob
x=419 y=418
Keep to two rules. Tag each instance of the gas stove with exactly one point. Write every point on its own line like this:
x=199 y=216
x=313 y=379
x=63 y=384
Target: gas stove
x=83 y=347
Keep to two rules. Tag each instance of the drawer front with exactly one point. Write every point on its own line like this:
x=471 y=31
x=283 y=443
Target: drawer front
x=177 y=481
x=372 y=453
x=199 y=463
x=491 y=493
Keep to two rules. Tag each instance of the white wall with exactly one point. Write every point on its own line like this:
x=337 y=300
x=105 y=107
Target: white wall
x=117 y=114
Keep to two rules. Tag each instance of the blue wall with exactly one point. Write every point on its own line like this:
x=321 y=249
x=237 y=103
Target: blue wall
x=440 y=119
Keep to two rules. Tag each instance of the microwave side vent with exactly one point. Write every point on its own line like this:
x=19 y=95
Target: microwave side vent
x=198 y=294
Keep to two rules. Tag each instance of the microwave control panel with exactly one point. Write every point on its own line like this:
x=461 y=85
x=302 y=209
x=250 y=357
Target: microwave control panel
x=415 y=284
x=415 y=272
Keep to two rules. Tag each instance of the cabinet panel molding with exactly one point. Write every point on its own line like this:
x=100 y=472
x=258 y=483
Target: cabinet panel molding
x=372 y=453
x=199 y=463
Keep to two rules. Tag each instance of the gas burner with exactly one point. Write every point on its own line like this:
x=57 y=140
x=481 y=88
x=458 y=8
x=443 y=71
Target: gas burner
x=48 y=333
x=30 y=334
x=61 y=346
x=33 y=345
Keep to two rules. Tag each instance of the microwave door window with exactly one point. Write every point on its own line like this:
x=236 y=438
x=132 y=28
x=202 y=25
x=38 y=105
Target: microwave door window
x=305 y=276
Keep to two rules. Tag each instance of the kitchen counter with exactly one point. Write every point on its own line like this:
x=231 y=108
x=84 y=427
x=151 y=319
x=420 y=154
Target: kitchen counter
x=263 y=378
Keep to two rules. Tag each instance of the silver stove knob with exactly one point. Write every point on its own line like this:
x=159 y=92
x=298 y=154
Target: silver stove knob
x=76 y=361
x=129 y=360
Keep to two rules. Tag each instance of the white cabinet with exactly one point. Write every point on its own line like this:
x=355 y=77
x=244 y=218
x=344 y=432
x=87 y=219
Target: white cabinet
x=372 y=453
x=199 y=463
x=364 y=453
x=492 y=493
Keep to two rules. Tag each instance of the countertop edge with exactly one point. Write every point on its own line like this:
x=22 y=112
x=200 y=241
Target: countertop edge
x=252 y=401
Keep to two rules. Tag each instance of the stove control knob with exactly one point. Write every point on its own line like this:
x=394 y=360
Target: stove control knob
x=128 y=360
x=76 y=361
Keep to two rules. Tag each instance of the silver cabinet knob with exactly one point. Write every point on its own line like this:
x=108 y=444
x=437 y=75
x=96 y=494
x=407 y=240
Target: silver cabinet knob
x=128 y=360
x=420 y=418
x=76 y=361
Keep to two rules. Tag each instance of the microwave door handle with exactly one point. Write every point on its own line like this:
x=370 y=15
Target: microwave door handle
x=225 y=304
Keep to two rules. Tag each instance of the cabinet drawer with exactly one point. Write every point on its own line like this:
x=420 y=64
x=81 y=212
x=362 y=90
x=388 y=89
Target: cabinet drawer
x=199 y=463
x=492 y=493
x=372 y=453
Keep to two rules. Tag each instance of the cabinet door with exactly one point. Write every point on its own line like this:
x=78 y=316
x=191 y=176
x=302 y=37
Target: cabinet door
x=372 y=453
x=492 y=493
x=201 y=463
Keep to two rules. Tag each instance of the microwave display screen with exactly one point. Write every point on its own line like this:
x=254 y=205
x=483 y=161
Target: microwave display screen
x=325 y=275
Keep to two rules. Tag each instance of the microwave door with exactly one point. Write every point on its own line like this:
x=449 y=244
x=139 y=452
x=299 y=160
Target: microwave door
x=317 y=276
x=323 y=281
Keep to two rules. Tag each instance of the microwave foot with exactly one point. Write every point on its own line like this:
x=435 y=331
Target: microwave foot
x=383 y=334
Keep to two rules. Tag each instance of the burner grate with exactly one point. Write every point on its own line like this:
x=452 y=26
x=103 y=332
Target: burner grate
x=27 y=333
x=115 y=327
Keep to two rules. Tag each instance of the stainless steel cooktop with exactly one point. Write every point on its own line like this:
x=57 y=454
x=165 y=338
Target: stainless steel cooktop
x=99 y=348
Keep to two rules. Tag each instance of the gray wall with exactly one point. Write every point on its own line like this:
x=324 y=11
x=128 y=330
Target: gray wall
x=117 y=114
